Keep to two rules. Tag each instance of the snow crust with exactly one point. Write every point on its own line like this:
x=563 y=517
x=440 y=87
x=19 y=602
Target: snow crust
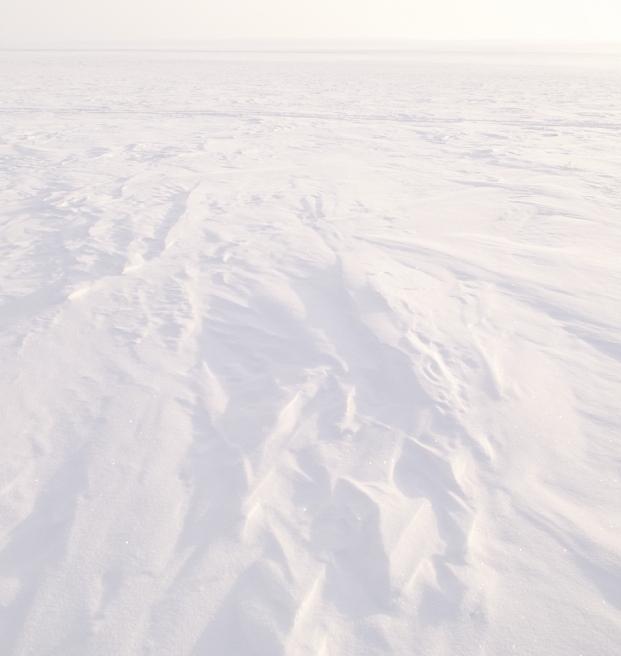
x=310 y=353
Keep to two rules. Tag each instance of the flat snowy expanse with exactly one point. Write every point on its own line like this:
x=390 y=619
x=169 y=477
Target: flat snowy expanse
x=310 y=354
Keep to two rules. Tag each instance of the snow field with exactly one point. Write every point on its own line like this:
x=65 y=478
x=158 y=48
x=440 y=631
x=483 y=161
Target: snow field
x=310 y=354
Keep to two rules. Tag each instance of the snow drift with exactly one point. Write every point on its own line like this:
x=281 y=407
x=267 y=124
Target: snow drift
x=310 y=354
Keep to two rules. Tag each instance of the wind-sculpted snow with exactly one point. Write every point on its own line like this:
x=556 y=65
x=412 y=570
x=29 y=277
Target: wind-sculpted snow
x=311 y=354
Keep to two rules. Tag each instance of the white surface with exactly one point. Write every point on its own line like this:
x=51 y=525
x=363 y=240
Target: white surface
x=310 y=354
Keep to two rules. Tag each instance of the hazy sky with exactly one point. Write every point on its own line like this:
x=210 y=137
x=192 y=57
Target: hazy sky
x=92 y=20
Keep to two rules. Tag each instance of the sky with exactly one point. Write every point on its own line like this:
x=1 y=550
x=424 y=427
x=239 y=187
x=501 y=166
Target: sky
x=48 y=21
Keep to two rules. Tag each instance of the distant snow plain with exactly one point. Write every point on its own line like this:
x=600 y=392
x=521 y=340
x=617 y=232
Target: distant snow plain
x=312 y=353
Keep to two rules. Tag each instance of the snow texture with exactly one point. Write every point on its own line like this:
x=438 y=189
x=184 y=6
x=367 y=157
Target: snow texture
x=310 y=354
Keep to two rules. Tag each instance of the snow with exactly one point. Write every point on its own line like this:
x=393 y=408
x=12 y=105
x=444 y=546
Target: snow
x=310 y=353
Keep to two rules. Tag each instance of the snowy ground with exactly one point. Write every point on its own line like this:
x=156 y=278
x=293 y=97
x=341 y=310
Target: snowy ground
x=311 y=354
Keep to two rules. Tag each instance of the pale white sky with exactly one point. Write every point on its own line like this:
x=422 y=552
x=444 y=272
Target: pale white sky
x=94 y=20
